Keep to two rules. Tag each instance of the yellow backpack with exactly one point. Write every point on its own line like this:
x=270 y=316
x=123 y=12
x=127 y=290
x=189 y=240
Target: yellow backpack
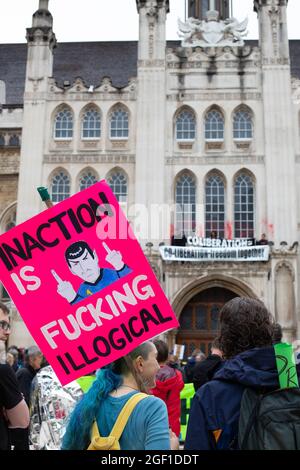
x=111 y=442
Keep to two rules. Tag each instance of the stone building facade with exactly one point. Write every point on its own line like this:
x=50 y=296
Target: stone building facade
x=210 y=123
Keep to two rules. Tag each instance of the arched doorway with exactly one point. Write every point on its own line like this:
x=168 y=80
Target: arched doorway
x=199 y=319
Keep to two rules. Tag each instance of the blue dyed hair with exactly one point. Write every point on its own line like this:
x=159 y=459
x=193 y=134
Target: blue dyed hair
x=77 y=435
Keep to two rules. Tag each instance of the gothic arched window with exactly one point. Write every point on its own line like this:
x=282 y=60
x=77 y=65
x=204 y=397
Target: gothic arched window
x=185 y=200
x=91 y=125
x=63 y=128
x=60 y=186
x=10 y=224
x=215 y=206
x=244 y=206
x=185 y=126
x=4 y=295
x=2 y=141
x=86 y=180
x=242 y=125
x=118 y=184
x=214 y=126
x=119 y=124
x=6 y=223
x=9 y=219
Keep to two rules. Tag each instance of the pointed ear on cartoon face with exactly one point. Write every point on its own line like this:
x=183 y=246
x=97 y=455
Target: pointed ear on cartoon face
x=70 y=268
x=95 y=255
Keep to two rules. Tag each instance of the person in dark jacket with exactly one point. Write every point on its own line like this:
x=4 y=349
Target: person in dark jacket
x=174 y=362
x=169 y=383
x=246 y=340
x=25 y=376
x=204 y=370
x=188 y=371
x=14 y=355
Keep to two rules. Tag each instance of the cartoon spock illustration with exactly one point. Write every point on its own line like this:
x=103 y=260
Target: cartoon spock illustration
x=84 y=263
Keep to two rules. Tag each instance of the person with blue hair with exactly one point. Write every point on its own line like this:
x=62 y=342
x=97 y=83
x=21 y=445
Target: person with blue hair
x=147 y=427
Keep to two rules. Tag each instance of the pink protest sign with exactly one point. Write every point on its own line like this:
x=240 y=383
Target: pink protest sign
x=82 y=284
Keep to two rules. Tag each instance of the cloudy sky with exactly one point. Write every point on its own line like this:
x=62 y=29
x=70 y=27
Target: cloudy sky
x=111 y=20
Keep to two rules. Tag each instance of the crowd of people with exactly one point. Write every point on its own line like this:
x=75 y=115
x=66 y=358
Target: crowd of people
x=134 y=402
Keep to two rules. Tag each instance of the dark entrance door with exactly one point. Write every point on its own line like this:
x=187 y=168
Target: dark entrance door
x=199 y=320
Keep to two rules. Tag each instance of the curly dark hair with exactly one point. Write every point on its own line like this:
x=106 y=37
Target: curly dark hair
x=245 y=324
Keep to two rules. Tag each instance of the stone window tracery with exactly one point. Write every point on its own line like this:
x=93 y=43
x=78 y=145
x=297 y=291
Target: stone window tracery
x=119 y=124
x=214 y=126
x=60 y=186
x=242 y=125
x=86 y=180
x=244 y=207
x=91 y=125
x=118 y=184
x=185 y=200
x=215 y=206
x=185 y=126
x=63 y=127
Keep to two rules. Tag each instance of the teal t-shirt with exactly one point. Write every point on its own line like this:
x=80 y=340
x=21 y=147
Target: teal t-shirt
x=147 y=427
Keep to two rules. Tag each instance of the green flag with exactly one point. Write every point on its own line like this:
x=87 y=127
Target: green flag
x=286 y=365
x=186 y=396
x=86 y=382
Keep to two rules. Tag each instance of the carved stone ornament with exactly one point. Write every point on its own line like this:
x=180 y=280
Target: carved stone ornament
x=212 y=32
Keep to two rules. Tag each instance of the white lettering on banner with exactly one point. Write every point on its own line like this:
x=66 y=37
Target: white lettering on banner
x=218 y=242
x=190 y=253
x=115 y=303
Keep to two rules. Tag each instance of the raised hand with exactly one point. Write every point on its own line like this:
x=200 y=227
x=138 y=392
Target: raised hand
x=64 y=288
x=114 y=258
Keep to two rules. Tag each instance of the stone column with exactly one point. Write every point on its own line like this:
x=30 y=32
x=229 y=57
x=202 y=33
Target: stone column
x=285 y=300
x=41 y=41
x=151 y=107
x=278 y=118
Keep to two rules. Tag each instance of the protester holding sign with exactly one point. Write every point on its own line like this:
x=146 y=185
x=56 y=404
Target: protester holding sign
x=147 y=427
x=82 y=283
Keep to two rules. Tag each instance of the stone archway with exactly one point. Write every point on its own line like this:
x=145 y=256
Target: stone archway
x=8 y=217
x=197 y=307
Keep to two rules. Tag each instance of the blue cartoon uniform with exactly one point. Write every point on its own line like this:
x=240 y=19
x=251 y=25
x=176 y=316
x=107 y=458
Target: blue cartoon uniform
x=107 y=276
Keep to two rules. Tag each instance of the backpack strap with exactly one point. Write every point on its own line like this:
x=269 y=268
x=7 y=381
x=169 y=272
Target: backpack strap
x=112 y=440
x=252 y=418
x=125 y=414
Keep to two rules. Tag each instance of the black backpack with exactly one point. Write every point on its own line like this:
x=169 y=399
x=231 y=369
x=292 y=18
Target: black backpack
x=270 y=421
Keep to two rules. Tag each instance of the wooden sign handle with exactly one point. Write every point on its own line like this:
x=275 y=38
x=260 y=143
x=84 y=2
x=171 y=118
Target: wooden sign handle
x=43 y=192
